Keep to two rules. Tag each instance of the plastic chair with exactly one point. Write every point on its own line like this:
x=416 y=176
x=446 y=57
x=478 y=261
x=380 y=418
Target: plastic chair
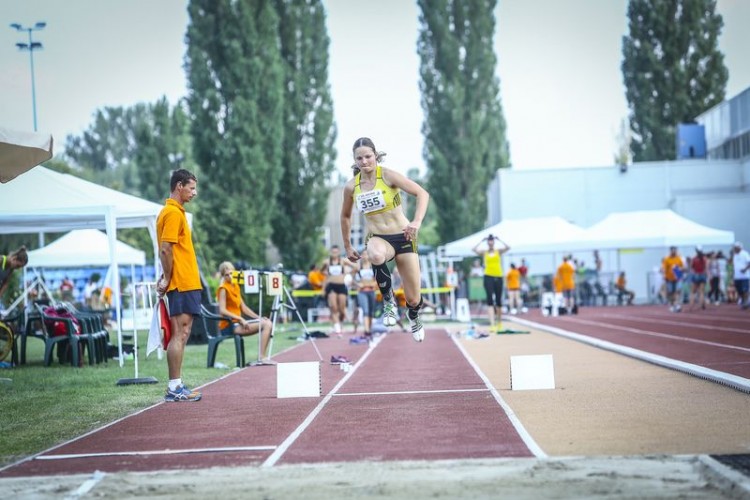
x=50 y=341
x=97 y=336
x=215 y=337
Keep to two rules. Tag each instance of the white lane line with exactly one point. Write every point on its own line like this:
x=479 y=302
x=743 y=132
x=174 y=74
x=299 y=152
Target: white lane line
x=283 y=447
x=229 y=449
x=520 y=429
x=734 y=381
x=654 y=319
x=87 y=485
x=110 y=424
x=638 y=331
x=396 y=393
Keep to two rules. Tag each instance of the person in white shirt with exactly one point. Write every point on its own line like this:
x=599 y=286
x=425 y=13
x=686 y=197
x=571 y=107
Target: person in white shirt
x=741 y=264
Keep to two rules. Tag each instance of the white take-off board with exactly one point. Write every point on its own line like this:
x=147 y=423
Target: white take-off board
x=298 y=380
x=532 y=372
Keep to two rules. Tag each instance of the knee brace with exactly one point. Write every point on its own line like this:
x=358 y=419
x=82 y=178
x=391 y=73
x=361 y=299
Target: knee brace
x=383 y=277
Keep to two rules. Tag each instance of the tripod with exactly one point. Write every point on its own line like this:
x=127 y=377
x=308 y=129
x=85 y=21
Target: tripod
x=282 y=300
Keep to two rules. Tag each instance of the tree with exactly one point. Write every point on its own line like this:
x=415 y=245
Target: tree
x=464 y=128
x=624 y=154
x=129 y=148
x=236 y=104
x=163 y=143
x=672 y=68
x=108 y=142
x=309 y=132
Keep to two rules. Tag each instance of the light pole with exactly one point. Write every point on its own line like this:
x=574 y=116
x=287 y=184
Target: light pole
x=31 y=47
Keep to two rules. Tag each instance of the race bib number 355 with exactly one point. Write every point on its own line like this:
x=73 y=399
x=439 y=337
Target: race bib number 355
x=370 y=201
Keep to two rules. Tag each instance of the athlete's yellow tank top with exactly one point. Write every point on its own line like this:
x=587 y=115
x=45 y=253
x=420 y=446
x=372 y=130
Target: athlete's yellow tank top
x=380 y=199
x=493 y=265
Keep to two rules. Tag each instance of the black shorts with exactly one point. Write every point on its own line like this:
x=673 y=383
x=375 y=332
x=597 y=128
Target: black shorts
x=184 y=302
x=399 y=243
x=493 y=288
x=337 y=288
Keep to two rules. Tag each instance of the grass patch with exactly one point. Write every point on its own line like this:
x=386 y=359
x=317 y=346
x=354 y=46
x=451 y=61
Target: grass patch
x=43 y=406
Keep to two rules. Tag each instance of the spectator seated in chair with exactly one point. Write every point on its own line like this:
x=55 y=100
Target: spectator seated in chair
x=232 y=307
x=622 y=291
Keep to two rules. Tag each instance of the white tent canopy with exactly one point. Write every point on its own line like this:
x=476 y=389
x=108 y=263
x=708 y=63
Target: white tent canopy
x=84 y=247
x=20 y=151
x=42 y=200
x=652 y=229
x=524 y=236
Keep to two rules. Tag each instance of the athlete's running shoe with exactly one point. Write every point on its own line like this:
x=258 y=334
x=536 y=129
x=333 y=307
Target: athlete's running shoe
x=390 y=313
x=417 y=330
x=182 y=394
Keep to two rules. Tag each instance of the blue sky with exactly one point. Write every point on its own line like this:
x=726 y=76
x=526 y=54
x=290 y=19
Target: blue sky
x=558 y=62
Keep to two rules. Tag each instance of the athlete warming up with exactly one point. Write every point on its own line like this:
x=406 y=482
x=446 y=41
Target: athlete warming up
x=376 y=192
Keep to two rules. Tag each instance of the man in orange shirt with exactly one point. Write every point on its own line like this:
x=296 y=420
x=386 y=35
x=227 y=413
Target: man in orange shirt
x=180 y=279
x=672 y=268
x=566 y=275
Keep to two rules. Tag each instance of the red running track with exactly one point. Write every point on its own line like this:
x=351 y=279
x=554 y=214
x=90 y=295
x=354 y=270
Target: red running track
x=402 y=401
x=717 y=337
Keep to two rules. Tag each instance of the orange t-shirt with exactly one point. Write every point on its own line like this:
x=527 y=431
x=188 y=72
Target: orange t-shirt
x=620 y=284
x=557 y=284
x=172 y=227
x=233 y=300
x=669 y=264
x=514 y=279
x=316 y=279
x=567 y=272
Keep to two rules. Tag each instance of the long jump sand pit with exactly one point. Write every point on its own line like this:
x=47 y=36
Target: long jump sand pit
x=529 y=478
x=609 y=404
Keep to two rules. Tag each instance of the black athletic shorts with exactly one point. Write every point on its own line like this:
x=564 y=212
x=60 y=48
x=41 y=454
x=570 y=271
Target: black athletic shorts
x=337 y=288
x=399 y=243
x=184 y=302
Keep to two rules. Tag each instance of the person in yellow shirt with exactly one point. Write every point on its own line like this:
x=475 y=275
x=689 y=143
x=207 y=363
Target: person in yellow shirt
x=233 y=307
x=515 y=301
x=672 y=268
x=566 y=276
x=493 y=274
x=9 y=263
x=376 y=191
x=180 y=279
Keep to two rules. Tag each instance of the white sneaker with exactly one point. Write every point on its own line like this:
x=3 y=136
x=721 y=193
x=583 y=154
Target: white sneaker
x=390 y=313
x=417 y=330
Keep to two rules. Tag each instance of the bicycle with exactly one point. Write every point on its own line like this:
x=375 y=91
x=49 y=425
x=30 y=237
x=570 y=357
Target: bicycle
x=6 y=340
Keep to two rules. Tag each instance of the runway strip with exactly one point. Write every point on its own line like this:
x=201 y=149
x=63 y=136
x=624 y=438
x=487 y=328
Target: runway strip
x=605 y=403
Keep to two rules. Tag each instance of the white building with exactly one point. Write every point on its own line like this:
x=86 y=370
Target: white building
x=713 y=191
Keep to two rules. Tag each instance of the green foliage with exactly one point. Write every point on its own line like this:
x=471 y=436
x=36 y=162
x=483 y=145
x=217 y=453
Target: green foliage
x=464 y=128
x=235 y=79
x=162 y=140
x=672 y=68
x=309 y=132
x=428 y=233
x=132 y=149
